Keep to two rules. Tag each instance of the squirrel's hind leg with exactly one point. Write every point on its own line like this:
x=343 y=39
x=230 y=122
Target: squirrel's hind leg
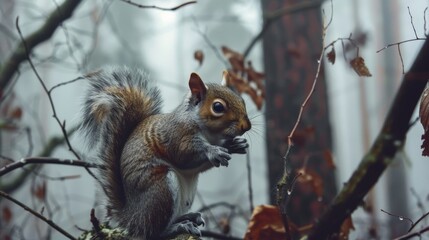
x=149 y=209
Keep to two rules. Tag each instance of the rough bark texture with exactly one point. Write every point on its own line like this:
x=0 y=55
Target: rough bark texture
x=292 y=46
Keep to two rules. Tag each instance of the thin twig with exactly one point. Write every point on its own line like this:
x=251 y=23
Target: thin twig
x=412 y=23
x=30 y=141
x=211 y=45
x=159 y=8
x=413 y=234
x=310 y=93
x=418 y=220
x=398 y=216
x=62 y=125
x=43 y=218
x=249 y=180
x=402 y=60
x=65 y=83
x=45 y=160
x=424 y=21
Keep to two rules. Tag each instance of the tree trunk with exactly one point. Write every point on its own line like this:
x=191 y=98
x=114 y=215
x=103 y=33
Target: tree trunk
x=291 y=47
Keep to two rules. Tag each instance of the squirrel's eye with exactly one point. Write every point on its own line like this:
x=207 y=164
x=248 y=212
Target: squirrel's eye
x=218 y=107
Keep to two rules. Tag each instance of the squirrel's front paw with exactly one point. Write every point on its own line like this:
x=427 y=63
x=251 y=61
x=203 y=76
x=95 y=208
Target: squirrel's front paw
x=218 y=156
x=195 y=217
x=185 y=226
x=237 y=145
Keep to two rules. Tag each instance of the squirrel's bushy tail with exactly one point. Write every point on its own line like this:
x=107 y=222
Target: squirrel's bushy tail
x=117 y=100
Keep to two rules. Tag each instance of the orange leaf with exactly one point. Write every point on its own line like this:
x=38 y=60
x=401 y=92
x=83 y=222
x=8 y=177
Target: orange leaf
x=40 y=191
x=266 y=223
x=331 y=55
x=235 y=59
x=346 y=227
x=358 y=64
x=199 y=56
x=253 y=75
x=327 y=155
x=16 y=113
x=7 y=214
x=424 y=109
x=309 y=176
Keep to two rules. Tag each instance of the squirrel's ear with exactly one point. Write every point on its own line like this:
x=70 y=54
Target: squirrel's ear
x=225 y=78
x=197 y=87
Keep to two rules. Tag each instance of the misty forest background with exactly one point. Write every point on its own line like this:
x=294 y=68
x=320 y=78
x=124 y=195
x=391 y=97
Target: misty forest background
x=351 y=130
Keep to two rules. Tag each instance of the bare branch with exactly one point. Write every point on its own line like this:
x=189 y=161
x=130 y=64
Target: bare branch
x=19 y=55
x=38 y=215
x=412 y=23
x=413 y=234
x=418 y=220
x=62 y=125
x=249 y=181
x=398 y=216
x=45 y=160
x=159 y=8
x=211 y=45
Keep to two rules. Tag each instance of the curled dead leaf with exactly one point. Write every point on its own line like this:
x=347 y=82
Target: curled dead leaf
x=235 y=59
x=331 y=55
x=311 y=177
x=327 y=155
x=358 y=64
x=7 y=214
x=424 y=119
x=199 y=56
x=16 y=113
x=265 y=223
x=39 y=191
x=346 y=228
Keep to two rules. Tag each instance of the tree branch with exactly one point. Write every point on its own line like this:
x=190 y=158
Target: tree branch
x=45 y=160
x=19 y=55
x=40 y=216
x=159 y=8
x=20 y=178
x=389 y=141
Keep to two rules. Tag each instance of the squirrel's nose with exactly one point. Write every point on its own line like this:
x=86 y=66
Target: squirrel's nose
x=245 y=124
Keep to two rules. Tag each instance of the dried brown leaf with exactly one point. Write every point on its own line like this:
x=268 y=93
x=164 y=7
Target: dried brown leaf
x=311 y=177
x=253 y=75
x=327 y=155
x=235 y=59
x=199 y=56
x=39 y=191
x=331 y=55
x=346 y=228
x=16 y=113
x=424 y=119
x=266 y=223
x=7 y=214
x=358 y=64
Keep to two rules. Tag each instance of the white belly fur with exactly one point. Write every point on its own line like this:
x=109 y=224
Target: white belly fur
x=183 y=187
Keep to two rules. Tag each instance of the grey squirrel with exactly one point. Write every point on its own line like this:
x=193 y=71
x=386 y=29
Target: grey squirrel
x=151 y=160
